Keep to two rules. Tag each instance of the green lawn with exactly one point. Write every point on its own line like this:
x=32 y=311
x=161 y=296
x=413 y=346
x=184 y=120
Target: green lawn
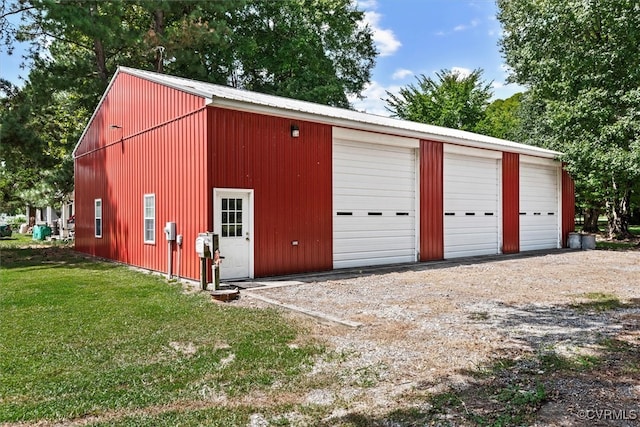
x=84 y=338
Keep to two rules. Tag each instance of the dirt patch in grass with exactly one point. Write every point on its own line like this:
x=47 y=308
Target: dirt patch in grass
x=547 y=340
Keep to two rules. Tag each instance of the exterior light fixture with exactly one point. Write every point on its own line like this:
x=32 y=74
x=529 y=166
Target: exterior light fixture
x=115 y=127
x=295 y=131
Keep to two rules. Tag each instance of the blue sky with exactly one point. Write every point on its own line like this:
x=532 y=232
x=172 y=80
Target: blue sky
x=413 y=37
x=417 y=37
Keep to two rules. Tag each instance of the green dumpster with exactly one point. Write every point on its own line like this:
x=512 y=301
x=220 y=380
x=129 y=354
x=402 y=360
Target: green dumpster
x=40 y=232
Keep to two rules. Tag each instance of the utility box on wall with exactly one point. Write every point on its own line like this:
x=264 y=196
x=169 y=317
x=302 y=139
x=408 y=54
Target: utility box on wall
x=170 y=231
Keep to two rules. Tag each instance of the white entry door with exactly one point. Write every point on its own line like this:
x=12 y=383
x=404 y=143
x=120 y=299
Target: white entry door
x=233 y=224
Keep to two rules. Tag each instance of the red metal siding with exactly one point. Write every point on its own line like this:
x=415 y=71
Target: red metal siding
x=568 y=207
x=159 y=150
x=291 y=179
x=431 y=201
x=510 y=203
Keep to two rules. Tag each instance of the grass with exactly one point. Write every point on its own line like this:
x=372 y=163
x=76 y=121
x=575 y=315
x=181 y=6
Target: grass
x=615 y=246
x=598 y=302
x=84 y=338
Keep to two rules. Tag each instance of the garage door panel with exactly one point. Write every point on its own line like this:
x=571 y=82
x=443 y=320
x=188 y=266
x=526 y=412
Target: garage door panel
x=383 y=244
x=376 y=182
x=374 y=204
x=372 y=258
x=362 y=205
x=471 y=221
x=383 y=226
x=364 y=162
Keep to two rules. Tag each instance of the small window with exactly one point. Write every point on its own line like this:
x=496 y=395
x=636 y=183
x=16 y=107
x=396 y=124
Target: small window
x=231 y=217
x=149 y=218
x=98 y=217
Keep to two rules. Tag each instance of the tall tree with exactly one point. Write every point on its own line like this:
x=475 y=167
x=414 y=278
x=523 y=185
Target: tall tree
x=37 y=133
x=451 y=100
x=318 y=50
x=581 y=61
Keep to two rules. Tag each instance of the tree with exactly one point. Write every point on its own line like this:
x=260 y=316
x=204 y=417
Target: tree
x=501 y=118
x=581 y=63
x=37 y=133
x=451 y=100
x=317 y=50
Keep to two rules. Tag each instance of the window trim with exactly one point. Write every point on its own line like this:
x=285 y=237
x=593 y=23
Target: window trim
x=97 y=234
x=150 y=196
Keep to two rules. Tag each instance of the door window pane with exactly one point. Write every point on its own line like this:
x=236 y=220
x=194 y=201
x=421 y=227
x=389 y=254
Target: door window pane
x=231 y=217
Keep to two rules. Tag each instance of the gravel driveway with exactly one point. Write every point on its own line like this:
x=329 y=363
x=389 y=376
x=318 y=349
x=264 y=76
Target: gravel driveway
x=431 y=331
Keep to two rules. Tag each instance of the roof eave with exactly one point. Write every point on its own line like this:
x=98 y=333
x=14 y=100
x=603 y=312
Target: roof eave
x=366 y=125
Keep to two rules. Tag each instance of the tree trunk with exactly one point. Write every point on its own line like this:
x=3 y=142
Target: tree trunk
x=619 y=212
x=591 y=216
x=98 y=50
x=158 y=28
x=101 y=60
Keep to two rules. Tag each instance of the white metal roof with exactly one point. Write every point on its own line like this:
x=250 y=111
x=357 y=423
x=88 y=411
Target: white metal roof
x=225 y=96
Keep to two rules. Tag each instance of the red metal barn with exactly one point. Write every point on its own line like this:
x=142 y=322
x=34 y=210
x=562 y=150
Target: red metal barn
x=292 y=187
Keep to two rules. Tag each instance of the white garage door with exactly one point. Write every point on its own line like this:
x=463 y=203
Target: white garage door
x=539 y=216
x=374 y=198
x=471 y=221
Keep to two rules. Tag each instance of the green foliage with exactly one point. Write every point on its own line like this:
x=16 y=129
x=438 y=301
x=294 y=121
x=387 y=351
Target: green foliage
x=582 y=66
x=451 y=100
x=316 y=50
x=37 y=134
x=501 y=118
x=313 y=50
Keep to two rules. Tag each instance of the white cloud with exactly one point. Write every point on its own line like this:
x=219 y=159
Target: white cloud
x=366 y=4
x=463 y=27
x=373 y=99
x=401 y=73
x=458 y=28
x=385 y=39
x=462 y=72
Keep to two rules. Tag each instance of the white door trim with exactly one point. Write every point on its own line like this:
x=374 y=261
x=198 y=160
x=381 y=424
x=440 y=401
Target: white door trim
x=217 y=219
